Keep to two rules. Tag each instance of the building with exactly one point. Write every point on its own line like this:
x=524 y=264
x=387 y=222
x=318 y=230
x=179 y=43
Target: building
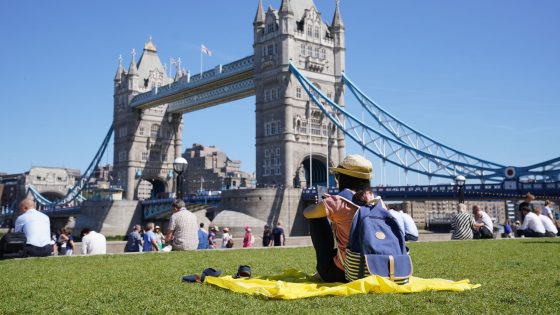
x=288 y=126
x=210 y=169
x=147 y=140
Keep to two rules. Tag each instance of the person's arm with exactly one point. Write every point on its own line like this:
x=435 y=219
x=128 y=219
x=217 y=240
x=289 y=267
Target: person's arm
x=319 y=211
x=283 y=239
x=19 y=225
x=169 y=237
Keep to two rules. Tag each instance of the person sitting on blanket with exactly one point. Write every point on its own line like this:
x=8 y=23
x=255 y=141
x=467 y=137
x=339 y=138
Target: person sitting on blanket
x=354 y=174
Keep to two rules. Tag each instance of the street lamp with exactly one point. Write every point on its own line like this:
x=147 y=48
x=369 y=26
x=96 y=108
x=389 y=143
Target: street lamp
x=460 y=181
x=180 y=166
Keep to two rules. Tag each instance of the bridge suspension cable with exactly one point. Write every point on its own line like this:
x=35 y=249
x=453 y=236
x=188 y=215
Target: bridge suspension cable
x=74 y=192
x=389 y=149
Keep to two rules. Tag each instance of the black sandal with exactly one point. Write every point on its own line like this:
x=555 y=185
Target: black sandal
x=243 y=271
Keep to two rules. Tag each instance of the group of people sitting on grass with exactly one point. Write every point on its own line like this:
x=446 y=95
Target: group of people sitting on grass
x=536 y=222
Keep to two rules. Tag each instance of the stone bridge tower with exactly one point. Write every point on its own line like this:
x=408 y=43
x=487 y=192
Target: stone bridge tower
x=146 y=141
x=289 y=128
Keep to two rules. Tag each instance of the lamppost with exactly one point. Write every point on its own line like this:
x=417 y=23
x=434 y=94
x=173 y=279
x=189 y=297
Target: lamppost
x=180 y=166
x=460 y=182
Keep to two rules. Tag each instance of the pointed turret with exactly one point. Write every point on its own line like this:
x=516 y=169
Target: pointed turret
x=132 y=69
x=337 y=18
x=286 y=7
x=118 y=75
x=259 y=17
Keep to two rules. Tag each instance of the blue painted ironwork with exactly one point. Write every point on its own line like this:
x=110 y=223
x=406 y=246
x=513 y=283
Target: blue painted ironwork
x=410 y=149
x=153 y=208
x=412 y=137
x=74 y=191
x=231 y=91
x=549 y=190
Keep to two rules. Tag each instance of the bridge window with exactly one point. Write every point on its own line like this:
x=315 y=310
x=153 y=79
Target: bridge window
x=298 y=92
x=316 y=32
x=154 y=131
x=155 y=157
x=122 y=132
x=323 y=53
x=315 y=127
x=309 y=30
x=270 y=50
x=316 y=52
x=141 y=131
x=144 y=156
x=270 y=28
x=303 y=49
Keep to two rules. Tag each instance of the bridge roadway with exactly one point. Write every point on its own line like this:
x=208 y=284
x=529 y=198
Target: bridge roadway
x=229 y=82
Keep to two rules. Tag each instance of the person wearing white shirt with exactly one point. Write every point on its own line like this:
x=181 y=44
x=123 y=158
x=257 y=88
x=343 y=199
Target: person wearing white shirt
x=483 y=226
x=399 y=218
x=532 y=226
x=93 y=243
x=410 y=228
x=37 y=229
x=547 y=210
x=550 y=229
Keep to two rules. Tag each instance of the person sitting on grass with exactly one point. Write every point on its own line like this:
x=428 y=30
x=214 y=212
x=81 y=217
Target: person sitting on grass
x=462 y=224
x=483 y=226
x=93 y=243
x=531 y=226
x=550 y=229
x=333 y=217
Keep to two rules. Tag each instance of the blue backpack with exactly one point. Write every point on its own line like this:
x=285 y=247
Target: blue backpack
x=376 y=245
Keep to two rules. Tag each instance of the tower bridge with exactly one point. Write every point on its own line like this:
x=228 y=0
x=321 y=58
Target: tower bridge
x=297 y=75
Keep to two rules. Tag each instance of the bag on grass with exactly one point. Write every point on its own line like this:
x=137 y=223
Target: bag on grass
x=376 y=246
x=12 y=245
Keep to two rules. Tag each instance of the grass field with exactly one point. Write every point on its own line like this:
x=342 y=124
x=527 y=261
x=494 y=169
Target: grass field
x=519 y=276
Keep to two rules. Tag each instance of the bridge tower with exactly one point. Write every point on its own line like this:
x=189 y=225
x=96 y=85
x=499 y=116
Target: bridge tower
x=293 y=138
x=146 y=141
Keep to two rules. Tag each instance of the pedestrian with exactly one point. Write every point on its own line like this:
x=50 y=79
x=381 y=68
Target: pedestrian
x=160 y=238
x=248 y=238
x=150 y=239
x=203 y=242
x=134 y=242
x=182 y=232
x=212 y=242
x=267 y=236
x=278 y=235
x=227 y=239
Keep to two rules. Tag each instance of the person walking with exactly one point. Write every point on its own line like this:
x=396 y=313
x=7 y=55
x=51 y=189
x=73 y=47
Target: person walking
x=203 y=242
x=150 y=239
x=278 y=235
x=267 y=236
x=248 y=238
x=134 y=242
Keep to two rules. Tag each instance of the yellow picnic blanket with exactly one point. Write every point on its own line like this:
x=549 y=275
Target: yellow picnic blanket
x=293 y=284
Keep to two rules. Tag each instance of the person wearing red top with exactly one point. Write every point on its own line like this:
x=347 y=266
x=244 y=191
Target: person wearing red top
x=353 y=174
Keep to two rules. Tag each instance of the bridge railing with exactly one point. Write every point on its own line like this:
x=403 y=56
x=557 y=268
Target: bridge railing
x=152 y=208
x=194 y=81
x=550 y=190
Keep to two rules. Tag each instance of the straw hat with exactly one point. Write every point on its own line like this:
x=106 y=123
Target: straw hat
x=529 y=196
x=356 y=166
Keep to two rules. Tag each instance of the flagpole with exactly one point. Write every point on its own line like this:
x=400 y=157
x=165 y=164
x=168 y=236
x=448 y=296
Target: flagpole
x=200 y=61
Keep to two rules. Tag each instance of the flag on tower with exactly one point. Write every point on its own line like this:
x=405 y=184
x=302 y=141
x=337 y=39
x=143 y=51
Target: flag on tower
x=205 y=50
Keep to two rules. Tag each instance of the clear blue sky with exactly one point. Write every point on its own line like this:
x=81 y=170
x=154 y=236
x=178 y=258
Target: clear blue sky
x=480 y=76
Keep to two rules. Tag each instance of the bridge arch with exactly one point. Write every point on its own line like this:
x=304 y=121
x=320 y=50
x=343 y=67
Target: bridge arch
x=152 y=188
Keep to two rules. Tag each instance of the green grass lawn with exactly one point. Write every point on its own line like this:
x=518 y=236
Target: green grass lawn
x=519 y=276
